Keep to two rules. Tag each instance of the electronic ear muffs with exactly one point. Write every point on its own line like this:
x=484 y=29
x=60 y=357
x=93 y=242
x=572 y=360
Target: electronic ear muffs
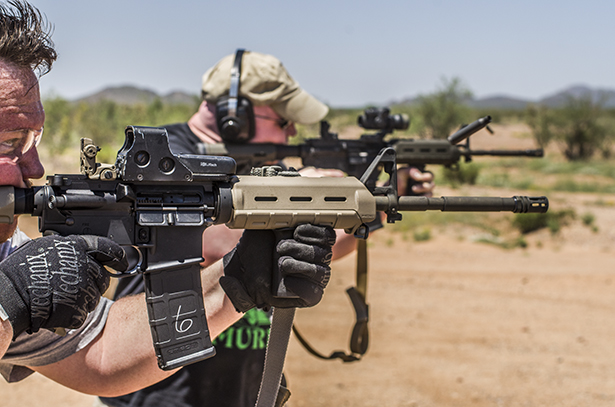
x=234 y=114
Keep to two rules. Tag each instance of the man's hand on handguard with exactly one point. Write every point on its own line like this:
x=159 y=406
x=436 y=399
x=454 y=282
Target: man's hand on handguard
x=303 y=261
x=422 y=182
x=312 y=172
x=55 y=281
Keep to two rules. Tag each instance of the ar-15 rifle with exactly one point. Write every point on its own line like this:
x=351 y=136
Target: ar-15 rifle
x=160 y=203
x=353 y=156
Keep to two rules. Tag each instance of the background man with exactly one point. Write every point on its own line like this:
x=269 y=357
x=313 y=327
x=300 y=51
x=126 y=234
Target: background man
x=119 y=358
x=269 y=103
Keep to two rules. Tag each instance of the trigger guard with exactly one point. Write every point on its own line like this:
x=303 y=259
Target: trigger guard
x=135 y=270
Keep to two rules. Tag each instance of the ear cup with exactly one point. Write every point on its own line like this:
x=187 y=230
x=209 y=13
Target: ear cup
x=238 y=128
x=234 y=114
x=231 y=128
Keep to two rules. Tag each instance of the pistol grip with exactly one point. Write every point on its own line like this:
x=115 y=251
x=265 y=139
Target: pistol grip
x=177 y=314
x=278 y=286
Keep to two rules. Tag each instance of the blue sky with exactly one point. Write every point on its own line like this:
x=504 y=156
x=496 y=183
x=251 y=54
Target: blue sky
x=346 y=53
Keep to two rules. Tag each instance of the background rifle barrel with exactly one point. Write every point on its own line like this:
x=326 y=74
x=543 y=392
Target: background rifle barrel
x=254 y=153
x=539 y=152
x=516 y=204
x=468 y=130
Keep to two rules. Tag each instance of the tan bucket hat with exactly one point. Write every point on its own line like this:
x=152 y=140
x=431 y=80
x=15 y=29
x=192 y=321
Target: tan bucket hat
x=264 y=81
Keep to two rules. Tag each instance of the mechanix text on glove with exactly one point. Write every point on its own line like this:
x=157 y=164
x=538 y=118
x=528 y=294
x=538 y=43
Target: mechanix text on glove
x=55 y=281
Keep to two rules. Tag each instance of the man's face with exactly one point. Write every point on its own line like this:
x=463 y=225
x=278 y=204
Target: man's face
x=267 y=128
x=20 y=109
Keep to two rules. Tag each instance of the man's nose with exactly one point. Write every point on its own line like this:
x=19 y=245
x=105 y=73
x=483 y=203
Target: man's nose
x=31 y=166
x=291 y=130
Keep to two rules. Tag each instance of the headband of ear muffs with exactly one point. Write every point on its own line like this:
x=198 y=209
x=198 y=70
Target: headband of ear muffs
x=234 y=114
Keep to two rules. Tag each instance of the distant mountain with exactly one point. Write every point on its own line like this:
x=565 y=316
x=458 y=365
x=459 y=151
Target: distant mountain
x=180 y=98
x=494 y=102
x=406 y=101
x=129 y=95
x=606 y=96
x=558 y=99
x=499 y=102
x=132 y=95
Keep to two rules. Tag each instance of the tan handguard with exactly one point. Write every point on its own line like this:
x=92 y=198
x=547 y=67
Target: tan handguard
x=280 y=202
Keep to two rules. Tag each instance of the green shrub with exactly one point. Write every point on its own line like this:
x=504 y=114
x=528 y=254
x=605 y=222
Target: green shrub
x=105 y=121
x=554 y=220
x=422 y=235
x=462 y=174
x=503 y=243
x=579 y=127
x=554 y=225
x=521 y=242
x=588 y=218
x=530 y=222
x=443 y=111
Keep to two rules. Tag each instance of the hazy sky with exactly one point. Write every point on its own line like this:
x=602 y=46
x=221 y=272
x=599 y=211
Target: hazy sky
x=346 y=53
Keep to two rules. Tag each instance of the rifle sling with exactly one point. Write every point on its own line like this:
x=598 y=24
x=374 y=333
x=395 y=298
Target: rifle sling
x=359 y=339
x=271 y=394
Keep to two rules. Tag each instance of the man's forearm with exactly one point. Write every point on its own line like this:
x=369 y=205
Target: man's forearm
x=6 y=335
x=119 y=361
x=344 y=245
x=122 y=359
x=220 y=311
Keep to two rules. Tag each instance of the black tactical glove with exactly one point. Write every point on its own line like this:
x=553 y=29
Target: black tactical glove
x=302 y=259
x=55 y=281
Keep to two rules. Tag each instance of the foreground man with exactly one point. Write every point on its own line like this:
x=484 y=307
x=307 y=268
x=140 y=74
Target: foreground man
x=108 y=347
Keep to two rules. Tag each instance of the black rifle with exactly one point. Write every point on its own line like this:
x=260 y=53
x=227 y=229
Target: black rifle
x=159 y=204
x=353 y=156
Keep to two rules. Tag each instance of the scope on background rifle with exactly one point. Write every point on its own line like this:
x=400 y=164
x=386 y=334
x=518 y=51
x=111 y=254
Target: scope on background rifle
x=159 y=203
x=353 y=156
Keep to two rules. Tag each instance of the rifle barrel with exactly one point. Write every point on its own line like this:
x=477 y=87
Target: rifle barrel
x=468 y=130
x=539 y=152
x=516 y=204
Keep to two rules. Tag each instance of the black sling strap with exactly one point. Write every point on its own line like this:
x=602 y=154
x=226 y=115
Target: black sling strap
x=359 y=339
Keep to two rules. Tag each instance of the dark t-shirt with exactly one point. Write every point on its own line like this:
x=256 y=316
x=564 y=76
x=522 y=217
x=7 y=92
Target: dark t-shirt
x=181 y=139
x=232 y=377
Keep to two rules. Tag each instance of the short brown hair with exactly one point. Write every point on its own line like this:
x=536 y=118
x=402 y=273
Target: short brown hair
x=25 y=37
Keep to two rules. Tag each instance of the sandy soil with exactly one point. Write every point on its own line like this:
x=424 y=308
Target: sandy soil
x=464 y=324
x=456 y=323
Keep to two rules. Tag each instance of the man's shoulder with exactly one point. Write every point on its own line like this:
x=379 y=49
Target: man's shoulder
x=19 y=238
x=181 y=138
x=13 y=243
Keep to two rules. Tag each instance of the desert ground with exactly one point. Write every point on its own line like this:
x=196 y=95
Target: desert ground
x=454 y=322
